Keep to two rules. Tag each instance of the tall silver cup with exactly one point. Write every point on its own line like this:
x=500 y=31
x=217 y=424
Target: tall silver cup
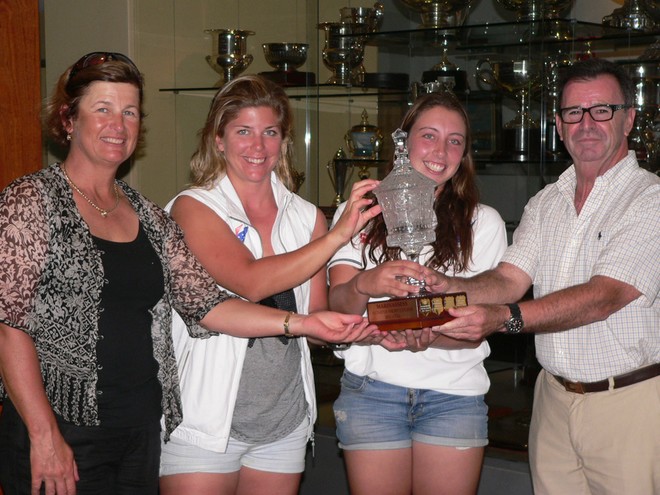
x=519 y=79
x=229 y=55
x=343 y=51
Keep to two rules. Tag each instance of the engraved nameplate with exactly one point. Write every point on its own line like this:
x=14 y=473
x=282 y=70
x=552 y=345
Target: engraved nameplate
x=414 y=312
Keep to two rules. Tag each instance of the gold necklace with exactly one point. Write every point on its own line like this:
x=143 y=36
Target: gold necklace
x=104 y=213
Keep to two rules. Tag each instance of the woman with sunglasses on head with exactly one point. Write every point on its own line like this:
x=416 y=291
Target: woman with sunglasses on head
x=90 y=271
x=249 y=405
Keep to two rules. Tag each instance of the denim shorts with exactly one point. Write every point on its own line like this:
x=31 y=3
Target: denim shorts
x=286 y=455
x=373 y=415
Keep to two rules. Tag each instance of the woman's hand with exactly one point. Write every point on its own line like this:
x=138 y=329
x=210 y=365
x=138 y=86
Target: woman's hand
x=389 y=279
x=408 y=340
x=332 y=327
x=53 y=466
x=358 y=211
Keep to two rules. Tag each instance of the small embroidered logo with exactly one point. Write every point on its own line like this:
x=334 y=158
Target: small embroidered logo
x=241 y=233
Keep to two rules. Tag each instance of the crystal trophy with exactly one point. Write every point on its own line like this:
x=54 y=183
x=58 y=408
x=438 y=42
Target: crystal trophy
x=406 y=197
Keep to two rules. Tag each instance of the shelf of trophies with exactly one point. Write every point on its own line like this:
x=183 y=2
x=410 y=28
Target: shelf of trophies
x=507 y=80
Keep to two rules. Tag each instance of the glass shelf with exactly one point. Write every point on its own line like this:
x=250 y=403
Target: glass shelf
x=312 y=91
x=507 y=34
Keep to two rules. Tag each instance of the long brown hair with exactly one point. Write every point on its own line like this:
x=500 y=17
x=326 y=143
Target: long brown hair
x=208 y=163
x=454 y=206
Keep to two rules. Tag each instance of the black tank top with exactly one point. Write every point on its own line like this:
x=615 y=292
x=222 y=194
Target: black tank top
x=128 y=390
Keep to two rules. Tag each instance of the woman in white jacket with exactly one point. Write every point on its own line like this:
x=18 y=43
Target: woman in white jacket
x=248 y=404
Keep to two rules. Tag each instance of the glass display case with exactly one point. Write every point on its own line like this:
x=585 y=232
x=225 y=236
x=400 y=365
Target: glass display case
x=504 y=72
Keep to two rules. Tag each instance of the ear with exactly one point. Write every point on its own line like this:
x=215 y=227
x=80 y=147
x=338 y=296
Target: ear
x=219 y=142
x=560 y=129
x=630 y=120
x=66 y=119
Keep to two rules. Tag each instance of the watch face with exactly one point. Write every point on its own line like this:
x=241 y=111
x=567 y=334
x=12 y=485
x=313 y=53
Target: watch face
x=514 y=325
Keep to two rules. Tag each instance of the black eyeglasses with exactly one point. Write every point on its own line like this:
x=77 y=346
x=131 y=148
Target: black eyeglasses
x=599 y=113
x=98 y=58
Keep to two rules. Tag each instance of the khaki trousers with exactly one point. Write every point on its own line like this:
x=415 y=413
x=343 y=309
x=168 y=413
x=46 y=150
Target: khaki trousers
x=599 y=443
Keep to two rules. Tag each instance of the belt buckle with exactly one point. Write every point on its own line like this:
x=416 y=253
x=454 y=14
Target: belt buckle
x=575 y=387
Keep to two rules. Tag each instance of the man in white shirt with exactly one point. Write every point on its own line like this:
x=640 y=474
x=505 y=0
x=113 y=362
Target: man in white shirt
x=590 y=245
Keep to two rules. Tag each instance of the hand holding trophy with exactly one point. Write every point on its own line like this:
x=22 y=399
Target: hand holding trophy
x=407 y=197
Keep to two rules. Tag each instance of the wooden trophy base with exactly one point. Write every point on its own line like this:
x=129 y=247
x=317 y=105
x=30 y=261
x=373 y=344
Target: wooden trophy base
x=414 y=312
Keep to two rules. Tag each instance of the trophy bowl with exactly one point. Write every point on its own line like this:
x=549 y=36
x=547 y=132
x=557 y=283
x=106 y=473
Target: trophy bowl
x=440 y=13
x=285 y=57
x=229 y=55
x=532 y=10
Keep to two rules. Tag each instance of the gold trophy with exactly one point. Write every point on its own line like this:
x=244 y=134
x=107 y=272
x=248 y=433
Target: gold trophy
x=407 y=198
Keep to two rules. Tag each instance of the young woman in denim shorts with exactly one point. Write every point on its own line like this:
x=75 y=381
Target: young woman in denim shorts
x=415 y=420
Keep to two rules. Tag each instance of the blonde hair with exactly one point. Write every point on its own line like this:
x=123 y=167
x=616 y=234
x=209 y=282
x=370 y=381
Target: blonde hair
x=208 y=163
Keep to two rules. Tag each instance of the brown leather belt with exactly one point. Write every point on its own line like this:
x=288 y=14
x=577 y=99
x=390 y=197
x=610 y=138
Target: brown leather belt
x=636 y=376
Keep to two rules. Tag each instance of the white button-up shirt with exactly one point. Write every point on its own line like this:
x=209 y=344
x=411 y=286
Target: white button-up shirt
x=617 y=235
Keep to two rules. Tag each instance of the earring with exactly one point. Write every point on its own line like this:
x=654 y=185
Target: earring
x=68 y=137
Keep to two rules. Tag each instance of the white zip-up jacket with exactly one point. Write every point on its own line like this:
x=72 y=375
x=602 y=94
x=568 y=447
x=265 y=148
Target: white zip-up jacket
x=210 y=368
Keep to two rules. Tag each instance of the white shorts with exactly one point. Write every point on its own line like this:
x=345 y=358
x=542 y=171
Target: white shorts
x=286 y=455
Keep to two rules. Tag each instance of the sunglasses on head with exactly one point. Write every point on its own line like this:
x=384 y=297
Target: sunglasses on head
x=98 y=58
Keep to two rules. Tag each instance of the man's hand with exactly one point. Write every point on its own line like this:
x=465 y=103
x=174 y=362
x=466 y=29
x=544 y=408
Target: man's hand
x=474 y=322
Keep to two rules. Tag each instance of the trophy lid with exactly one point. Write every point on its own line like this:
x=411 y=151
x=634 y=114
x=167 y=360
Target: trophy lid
x=406 y=197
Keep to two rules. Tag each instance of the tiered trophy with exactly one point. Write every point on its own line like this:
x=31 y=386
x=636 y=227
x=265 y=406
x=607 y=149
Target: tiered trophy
x=406 y=197
x=371 y=17
x=229 y=55
x=518 y=78
x=286 y=58
x=445 y=17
